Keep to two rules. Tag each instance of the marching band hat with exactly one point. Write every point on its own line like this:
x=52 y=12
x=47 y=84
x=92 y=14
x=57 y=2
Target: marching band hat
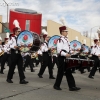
x=6 y=39
x=63 y=28
x=95 y=40
x=12 y=35
x=44 y=36
x=16 y=29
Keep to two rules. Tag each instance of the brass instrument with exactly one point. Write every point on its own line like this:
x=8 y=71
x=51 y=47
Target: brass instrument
x=1 y=53
x=34 y=55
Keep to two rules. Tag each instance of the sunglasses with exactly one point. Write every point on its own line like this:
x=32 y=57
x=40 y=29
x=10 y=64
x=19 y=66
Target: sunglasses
x=64 y=31
x=18 y=31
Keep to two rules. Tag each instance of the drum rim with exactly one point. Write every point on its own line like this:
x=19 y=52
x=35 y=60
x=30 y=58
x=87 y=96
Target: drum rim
x=51 y=38
x=18 y=36
x=77 y=41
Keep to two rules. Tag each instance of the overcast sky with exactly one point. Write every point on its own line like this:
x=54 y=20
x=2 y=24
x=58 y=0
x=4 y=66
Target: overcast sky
x=80 y=15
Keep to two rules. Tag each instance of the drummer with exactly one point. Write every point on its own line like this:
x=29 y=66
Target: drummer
x=16 y=59
x=83 y=56
x=63 y=50
x=95 y=56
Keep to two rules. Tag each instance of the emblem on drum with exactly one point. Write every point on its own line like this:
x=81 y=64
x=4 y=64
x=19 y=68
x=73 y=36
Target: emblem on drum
x=75 y=45
x=25 y=38
x=25 y=41
x=53 y=41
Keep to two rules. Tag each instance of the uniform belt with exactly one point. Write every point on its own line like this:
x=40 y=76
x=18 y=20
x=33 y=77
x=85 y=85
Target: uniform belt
x=15 y=51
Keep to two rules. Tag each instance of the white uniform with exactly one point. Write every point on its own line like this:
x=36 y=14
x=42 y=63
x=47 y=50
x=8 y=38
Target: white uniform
x=95 y=50
x=44 y=47
x=63 y=45
x=6 y=48
x=39 y=52
x=1 y=48
x=12 y=42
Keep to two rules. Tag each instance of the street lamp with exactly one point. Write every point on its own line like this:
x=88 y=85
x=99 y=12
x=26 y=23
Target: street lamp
x=7 y=9
x=91 y=33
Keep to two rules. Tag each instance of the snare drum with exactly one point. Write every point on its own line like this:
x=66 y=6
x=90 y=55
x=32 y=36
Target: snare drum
x=86 y=63
x=72 y=62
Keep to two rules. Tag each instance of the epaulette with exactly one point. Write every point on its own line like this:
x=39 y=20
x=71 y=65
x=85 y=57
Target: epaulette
x=95 y=46
x=60 y=40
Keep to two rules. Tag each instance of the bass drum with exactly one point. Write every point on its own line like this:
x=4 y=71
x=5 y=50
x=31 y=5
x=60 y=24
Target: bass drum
x=53 y=41
x=28 y=41
x=75 y=45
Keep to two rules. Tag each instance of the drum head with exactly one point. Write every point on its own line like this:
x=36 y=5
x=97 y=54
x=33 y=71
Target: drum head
x=75 y=45
x=53 y=41
x=85 y=49
x=25 y=41
x=36 y=42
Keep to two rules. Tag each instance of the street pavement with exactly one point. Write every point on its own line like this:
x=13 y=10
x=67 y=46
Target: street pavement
x=42 y=89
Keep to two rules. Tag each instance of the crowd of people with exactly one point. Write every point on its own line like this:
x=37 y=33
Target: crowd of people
x=10 y=53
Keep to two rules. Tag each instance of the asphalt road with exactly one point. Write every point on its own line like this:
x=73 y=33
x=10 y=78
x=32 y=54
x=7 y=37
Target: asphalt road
x=42 y=89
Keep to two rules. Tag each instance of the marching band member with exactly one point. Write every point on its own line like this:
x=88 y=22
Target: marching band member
x=6 y=50
x=95 y=56
x=1 y=51
x=63 y=49
x=28 y=61
x=16 y=59
x=82 y=56
x=47 y=59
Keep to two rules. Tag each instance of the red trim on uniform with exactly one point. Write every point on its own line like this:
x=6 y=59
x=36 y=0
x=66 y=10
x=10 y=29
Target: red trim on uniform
x=68 y=43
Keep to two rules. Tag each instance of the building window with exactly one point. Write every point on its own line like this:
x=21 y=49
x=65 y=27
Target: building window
x=28 y=25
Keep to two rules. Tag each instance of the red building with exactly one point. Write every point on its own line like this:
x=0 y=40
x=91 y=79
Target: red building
x=26 y=19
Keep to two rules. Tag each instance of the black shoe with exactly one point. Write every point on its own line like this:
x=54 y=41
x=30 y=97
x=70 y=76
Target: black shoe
x=90 y=77
x=74 y=89
x=32 y=70
x=23 y=82
x=40 y=76
x=9 y=81
x=83 y=72
x=57 y=88
x=64 y=74
x=1 y=73
x=52 y=77
x=73 y=72
x=99 y=70
x=24 y=69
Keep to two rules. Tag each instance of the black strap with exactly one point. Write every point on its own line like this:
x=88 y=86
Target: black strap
x=46 y=43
